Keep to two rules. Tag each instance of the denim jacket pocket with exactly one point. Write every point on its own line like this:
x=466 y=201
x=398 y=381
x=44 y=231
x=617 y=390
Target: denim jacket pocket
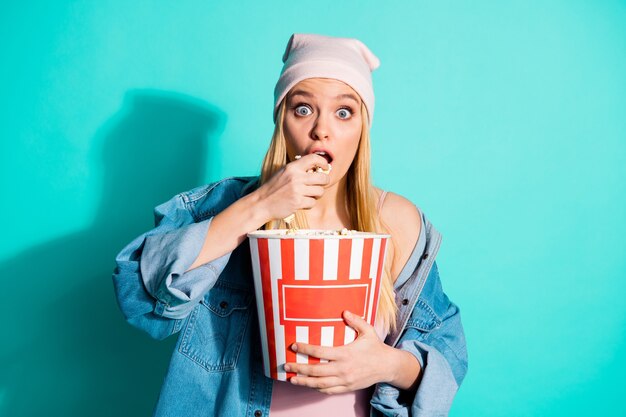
x=215 y=329
x=423 y=318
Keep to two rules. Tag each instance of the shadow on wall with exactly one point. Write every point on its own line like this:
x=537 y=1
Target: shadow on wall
x=67 y=350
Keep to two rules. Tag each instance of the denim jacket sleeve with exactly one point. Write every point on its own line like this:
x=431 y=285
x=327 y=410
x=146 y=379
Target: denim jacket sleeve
x=434 y=334
x=150 y=281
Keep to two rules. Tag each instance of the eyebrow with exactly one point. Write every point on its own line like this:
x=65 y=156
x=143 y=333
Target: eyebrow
x=340 y=96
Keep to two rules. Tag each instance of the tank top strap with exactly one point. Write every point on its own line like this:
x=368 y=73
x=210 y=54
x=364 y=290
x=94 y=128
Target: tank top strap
x=381 y=199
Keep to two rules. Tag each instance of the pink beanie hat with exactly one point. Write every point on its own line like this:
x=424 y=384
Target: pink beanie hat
x=316 y=56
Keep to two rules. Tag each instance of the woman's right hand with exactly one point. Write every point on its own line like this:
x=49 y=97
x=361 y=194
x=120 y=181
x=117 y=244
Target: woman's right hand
x=293 y=188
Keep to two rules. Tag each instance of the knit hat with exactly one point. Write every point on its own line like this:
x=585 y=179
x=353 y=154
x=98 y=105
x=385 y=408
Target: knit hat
x=316 y=56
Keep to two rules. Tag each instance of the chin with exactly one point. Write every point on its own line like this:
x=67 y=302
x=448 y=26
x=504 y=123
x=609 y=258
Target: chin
x=335 y=178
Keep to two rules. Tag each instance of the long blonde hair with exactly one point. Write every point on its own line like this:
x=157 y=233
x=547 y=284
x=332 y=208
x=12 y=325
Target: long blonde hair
x=361 y=202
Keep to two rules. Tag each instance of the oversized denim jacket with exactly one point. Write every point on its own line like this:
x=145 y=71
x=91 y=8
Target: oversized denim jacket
x=216 y=368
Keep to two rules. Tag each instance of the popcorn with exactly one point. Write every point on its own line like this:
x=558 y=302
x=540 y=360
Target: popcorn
x=318 y=169
x=330 y=232
x=295 y=290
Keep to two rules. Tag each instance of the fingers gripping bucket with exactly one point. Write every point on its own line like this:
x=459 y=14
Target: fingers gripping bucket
x=303 y=282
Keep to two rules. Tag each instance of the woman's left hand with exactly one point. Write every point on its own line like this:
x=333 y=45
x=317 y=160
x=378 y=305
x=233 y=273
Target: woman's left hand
x=357 y=365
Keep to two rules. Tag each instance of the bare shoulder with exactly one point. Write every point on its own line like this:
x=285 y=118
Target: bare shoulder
x=400 y=213
x=404 y=222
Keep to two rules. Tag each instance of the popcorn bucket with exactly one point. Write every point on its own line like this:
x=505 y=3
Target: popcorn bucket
x=304 y=281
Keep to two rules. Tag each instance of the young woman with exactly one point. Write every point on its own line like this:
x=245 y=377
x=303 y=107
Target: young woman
x=192 y=275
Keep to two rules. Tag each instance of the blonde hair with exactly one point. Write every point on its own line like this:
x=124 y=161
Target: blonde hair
x=361 y=202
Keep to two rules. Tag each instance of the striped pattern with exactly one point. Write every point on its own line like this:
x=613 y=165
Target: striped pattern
x=303 y=285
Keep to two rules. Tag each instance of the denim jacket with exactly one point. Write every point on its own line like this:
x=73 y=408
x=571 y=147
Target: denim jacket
x=216 y=368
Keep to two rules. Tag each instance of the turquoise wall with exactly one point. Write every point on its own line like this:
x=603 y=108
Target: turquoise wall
x=504 y=121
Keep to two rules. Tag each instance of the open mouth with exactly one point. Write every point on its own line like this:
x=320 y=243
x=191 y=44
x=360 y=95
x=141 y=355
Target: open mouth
x=326 y=156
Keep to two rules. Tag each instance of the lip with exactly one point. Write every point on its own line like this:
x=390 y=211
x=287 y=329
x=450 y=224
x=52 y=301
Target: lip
x=329 y=153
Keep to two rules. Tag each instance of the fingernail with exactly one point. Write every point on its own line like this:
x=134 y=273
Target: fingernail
x=287 y=368
x=294 y=347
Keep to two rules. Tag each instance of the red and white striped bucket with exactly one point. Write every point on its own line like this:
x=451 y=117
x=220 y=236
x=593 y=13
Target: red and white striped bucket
x=304 y=282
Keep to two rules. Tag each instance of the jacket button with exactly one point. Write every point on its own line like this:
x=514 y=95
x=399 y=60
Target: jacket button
x=405 y=301
x=258 y=413
x=224 y=305
x=425 y=256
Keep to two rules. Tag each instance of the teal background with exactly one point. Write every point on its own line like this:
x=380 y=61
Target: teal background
x=504 y=121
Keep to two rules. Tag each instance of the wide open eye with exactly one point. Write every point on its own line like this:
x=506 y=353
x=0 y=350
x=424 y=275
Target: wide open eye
x=303 y=110
x=344 y=113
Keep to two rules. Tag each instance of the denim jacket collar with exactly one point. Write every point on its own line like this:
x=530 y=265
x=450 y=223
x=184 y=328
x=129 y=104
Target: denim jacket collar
x=410 y=282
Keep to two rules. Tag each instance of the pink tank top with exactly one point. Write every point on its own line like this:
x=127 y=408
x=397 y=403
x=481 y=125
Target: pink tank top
x=292 y=400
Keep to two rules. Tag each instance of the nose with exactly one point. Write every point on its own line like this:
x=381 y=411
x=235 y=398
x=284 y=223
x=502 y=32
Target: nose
x=320 y=129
